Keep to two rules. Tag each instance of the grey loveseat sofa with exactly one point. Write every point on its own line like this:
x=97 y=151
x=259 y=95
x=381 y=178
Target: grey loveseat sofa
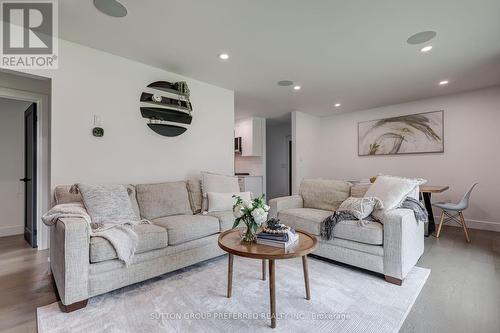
x=179 y=236
x=391 y=247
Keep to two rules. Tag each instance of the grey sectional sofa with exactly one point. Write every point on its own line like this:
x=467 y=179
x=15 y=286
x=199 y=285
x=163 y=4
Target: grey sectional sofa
x=391 y=247
x=179 y=236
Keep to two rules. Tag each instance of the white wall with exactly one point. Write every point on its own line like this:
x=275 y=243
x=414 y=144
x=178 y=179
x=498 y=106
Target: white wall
x=277 y=137
x=472 y=146
x=11 y=166
x=306 y=147
x=91 y=82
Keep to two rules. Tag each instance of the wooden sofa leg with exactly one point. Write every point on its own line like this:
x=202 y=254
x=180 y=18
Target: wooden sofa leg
x=73 y=307
x=70 y=307
x=393 y=280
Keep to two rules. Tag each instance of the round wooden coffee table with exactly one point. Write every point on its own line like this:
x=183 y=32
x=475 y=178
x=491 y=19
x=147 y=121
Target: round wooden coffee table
x=231 y=242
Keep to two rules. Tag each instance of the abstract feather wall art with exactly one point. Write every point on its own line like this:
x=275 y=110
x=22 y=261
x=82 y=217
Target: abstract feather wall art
x=409 y=134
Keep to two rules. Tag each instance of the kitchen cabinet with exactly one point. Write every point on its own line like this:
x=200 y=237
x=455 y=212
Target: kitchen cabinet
x=254 y=184
x=251 y=131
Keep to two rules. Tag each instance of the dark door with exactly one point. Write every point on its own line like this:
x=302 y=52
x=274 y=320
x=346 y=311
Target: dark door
x=290 y=167
x=29 y=179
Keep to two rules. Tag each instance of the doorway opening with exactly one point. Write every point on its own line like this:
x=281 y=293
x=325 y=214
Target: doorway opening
x=18 y=149
x=278 y=156
x=25 y=160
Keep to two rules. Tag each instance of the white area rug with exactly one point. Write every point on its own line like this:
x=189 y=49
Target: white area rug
x=194 y=300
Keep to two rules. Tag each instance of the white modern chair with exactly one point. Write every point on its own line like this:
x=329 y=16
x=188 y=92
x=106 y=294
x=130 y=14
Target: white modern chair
x=453 y=211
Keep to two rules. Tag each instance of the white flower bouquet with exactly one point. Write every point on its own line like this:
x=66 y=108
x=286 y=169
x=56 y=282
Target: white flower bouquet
x=253 y=213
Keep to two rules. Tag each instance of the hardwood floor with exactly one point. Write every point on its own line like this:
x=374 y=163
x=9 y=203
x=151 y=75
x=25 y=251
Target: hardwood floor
x=24 y=284
x=462 y=293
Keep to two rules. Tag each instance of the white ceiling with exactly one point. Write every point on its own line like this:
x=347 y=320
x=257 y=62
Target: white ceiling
x=352 y=52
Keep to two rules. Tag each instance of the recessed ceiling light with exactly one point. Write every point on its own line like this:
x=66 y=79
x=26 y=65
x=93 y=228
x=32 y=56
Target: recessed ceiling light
x=111 y=8
x=285 y=83
x=337 y=105
x=426 y=48
x=297 y=87
x=443 y=83
x=223 y=56
x=421 y=37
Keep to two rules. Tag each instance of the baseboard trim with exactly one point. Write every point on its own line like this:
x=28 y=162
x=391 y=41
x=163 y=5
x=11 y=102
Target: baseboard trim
x=11 y=230
x=473 y=224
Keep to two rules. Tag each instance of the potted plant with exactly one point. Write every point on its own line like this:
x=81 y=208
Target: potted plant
x=253 y=213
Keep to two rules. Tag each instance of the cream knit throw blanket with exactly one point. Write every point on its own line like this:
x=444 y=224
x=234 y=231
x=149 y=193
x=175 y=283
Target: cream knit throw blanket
x=121 y=235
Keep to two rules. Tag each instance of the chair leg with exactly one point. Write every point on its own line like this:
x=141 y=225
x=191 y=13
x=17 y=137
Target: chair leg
x=440 y=224
x=465 y=227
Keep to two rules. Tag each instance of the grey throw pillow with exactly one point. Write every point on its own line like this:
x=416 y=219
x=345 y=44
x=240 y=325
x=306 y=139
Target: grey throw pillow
x=361 y=208
x=108 y=203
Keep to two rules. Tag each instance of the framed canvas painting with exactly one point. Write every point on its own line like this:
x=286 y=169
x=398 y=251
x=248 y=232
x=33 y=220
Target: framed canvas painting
x=409 y=134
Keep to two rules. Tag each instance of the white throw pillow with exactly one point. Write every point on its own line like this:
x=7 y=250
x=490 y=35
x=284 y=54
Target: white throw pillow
x=361 y=208
x=391 y=191
x=220 y=202
x=212 y=182
x=415 y=193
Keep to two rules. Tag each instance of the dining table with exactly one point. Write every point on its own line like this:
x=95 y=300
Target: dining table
x=426 y=192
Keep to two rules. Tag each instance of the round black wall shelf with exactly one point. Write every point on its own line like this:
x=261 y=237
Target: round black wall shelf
x=162 y=110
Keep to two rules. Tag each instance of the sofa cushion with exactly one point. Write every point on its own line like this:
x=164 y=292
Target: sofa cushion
x=360 y=231
x=359 y=190
x=226 y=219
x=307 y=219
x=184 y=228
x=212 y=182
x=133 y=199
x=150 y=237
x=326 y=194
x=163 y=199
x=63 y=195
x=195 y=195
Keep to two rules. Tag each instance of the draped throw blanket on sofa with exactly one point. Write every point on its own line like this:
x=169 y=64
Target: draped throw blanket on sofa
x=331 y=221
x=121 y=235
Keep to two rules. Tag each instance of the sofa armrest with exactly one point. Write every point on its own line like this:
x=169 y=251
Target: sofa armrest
x=403 y=242
x=282 y=203
x=69 y=258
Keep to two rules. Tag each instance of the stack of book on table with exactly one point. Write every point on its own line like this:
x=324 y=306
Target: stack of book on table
x=282 y=240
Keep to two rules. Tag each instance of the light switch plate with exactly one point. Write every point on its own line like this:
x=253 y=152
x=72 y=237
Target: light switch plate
x=97 y=120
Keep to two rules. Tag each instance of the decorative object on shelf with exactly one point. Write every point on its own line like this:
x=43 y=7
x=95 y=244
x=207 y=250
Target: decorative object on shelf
x=98 y=132
x=253 y=213
x=410 y=134
x=163 y=110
